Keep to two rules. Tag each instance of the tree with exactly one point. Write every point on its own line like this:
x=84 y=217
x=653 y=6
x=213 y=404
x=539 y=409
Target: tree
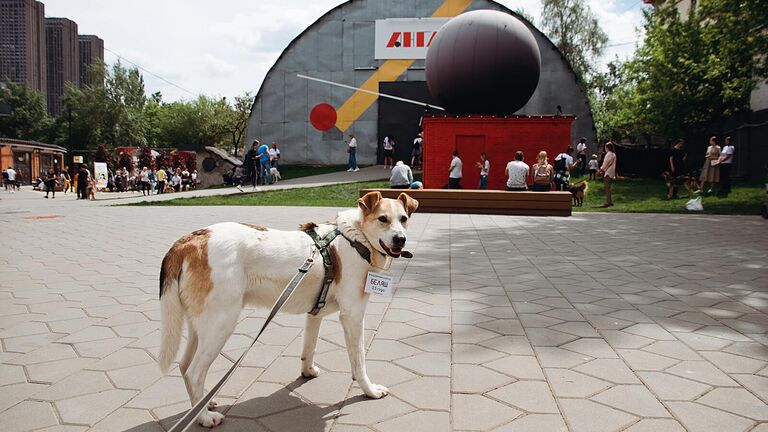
x=102 y=154
x=238 y=120
x=694 y=72
x=112 y=113
x=145 y=157
x=576 y=32
x=28 y=119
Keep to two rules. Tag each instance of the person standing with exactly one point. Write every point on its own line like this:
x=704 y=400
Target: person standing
x=418 y=143
x=485 y=168
x=64 y=177
x=726 y=163
x=517 y=174
x=274 y=155
x=251 y=163
x=581 y=156
x=144 y=182
x=454 y=172
x=608 y=169
x=352 y=150
x=11 y=178
x=83 y=177
x=542 y=174
x=161 y=178
x=389 y=151
x=401 y=177
x=263 y=156
x=710 y=172
x=677 y=158
x=563 y=166
x=50 y=183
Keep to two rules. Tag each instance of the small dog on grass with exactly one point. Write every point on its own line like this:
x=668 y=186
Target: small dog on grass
x=689 y=182
x=578 y=191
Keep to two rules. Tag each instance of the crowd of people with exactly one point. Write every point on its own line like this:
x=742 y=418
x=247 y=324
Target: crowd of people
x=716 y=169
x=544 y=176
x=153 y=180
x=260 y=165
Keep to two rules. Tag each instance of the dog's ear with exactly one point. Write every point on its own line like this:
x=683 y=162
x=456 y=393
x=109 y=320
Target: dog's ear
x=369 y=201
x=408 y=203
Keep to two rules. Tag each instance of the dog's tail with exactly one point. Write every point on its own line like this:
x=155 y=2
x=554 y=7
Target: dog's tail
x=171 y=310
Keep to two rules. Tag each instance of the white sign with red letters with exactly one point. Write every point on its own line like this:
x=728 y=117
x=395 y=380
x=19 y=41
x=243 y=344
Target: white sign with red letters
x=405 y=38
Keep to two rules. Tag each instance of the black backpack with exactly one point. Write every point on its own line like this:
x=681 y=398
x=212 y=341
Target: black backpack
x=560 y=163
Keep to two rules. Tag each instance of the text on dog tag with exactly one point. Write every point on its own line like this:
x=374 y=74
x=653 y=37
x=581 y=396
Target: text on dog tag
x=379 y=284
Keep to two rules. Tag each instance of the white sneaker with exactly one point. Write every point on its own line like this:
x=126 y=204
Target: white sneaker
x=350 y=170
x=356 y=169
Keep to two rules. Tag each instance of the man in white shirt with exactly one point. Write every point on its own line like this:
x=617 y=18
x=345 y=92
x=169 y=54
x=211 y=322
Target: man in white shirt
x=726 y=163
x=517 y=173
x=454 y=175
x=352 y=150
x=11 y=178
x=401 y=177
x=563 y=169
x=581 y=156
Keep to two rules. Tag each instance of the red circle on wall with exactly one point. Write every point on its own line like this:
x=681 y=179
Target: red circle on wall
x=323 y=117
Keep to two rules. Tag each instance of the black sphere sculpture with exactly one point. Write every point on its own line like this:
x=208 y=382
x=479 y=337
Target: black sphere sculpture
x=483 y=62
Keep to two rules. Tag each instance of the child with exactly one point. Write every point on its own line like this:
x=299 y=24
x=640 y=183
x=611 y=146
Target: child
x=592 y=165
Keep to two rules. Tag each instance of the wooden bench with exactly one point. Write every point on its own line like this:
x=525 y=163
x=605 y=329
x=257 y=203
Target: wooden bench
x=485 y=201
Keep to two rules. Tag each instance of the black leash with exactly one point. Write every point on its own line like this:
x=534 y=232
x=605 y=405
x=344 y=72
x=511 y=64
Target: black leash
x=189 y=418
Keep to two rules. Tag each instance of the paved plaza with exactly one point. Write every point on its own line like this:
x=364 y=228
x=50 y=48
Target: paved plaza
x=596 y=322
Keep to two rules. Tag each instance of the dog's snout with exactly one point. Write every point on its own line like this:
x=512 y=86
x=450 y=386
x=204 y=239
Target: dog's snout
x=398 y=241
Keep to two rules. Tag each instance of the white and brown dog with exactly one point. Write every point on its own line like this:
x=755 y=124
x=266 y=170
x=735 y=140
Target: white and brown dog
x=208 y=276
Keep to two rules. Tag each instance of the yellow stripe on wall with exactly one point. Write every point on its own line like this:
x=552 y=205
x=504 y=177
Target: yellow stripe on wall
x=389 y=71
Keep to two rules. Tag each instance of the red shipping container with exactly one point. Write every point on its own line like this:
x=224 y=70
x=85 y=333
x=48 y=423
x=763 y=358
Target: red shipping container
x=498 y=137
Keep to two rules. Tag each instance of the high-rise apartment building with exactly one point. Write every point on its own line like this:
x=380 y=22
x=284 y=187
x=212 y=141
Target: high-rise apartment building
x=91 y=51
x=23 y=44
x=63 y=60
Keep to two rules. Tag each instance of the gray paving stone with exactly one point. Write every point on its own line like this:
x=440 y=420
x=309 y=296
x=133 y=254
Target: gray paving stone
x=415 y=421
x=737 y=401
x=529 y=396
x=698 y=418
x=535 y=423
x=635 y=399
x=477 y=412
x=701 y=371
x=27 y=416
x=636 y=296
x=468 y=378
x=568 y=383
x=587 y=416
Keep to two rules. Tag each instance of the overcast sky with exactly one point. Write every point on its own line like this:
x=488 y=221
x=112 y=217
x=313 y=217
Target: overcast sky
x=225 y=48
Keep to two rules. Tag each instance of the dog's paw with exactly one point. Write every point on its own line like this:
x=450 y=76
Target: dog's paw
x=210 y=419
x=311 y=372
x=212 y=404
x=377 y=391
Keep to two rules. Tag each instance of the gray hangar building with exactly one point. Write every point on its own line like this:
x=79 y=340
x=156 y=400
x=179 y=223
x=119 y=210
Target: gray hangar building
x=380 y=46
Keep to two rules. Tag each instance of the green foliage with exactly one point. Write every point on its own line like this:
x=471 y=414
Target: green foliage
x=28 y=119
x=575 y=30
x=112 y=113
x=691 y=72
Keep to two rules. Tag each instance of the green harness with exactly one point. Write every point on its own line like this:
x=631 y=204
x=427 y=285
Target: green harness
x=322 y=244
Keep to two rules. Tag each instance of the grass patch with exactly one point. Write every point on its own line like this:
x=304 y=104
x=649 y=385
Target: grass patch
x=340 y=195
x=641 y=195
x=631 y=195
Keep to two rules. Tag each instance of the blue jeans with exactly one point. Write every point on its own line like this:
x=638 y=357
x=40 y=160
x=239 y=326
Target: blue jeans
x=264 y=172
x=483 y=182
x=352 y=162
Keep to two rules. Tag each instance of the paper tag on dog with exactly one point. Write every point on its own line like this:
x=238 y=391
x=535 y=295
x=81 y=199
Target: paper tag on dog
x=379 y=284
